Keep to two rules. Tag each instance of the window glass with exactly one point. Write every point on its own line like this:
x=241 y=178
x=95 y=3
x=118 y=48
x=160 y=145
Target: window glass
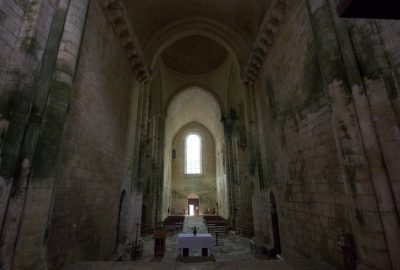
x=193 y=154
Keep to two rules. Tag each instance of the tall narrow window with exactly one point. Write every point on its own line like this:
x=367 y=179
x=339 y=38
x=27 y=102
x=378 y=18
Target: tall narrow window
x=193 y=154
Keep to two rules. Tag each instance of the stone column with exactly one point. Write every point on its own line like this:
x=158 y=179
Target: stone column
x=153 y=172
x=236 y=173
x=139 y=160
x=17 y=154
x=371 y=210
x=34 y=228
x=26 y=68
x=160 y=169
x=228 y=125
x=256 y=172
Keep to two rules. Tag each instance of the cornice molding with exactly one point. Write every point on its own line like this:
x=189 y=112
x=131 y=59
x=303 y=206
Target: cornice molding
x=269 y=28
x=115 y=12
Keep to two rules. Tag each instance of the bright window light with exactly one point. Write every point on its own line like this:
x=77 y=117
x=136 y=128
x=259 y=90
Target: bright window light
x=193 y=154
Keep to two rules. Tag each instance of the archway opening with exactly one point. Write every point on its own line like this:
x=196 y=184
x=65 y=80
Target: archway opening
x=193 y=204
x=122 y=220
x=194 y=156
x=275 y=224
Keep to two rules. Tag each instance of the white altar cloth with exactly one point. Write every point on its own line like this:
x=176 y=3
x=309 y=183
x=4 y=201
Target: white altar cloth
x=201 y=240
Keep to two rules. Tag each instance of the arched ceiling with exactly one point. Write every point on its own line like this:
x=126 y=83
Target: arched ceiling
x=243 y=17
x=194 y=105
x=194 y=55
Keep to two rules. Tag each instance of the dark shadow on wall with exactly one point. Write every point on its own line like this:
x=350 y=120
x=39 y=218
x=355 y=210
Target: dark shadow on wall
x=122 y=220
x=275 y=224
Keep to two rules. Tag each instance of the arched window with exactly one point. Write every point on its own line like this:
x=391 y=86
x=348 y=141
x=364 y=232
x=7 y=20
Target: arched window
x=193 y=154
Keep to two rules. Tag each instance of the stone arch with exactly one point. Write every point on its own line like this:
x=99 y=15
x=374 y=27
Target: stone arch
x=196 y=25
x=187 y=87
x=193 y=195
x=201 y=134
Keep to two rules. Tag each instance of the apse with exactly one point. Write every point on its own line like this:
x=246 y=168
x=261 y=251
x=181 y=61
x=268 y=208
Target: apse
x=194 y=113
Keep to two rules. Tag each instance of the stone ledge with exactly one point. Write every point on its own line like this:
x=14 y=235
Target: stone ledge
x=269 y=28
x=116 y=16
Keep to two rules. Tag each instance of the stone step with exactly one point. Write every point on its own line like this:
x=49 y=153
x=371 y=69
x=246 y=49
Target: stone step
x=191 y=221
x=227 y=265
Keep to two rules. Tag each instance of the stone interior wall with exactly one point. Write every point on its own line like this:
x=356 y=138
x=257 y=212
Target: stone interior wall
x=298 y=150
x=299 y=155
x=24 y=29
x=21 y=55
x=11 y=16
x=326 y=155
x=377 y=50
x=390 y=34
x=183 y=184
x=374 y=52
x=97 y=150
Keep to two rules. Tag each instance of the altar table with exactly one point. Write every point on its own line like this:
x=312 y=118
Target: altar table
x=201 y=240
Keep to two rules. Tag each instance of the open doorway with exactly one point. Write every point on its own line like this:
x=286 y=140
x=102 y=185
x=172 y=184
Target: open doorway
x=275 y=224
x=193 y=204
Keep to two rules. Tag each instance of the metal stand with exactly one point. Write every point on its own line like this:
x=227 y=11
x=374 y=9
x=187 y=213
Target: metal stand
x=216 y=242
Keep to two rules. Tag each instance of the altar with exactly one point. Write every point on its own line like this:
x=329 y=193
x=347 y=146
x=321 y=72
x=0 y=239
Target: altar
x=187 y=241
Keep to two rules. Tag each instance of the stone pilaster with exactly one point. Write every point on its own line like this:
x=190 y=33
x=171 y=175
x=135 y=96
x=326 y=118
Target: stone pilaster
x=20 y=147
x=23 y=63
x=352 y=125
x=34 y=228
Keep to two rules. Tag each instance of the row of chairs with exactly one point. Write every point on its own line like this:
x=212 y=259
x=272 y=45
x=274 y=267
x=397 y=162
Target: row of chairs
x=173 y=223
x=247 y=228
x=216 y=224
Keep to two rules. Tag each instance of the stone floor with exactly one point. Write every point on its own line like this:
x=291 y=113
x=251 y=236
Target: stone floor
x=230 y=247
x=232 y=253
x=191 y=221
x=231 y=265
